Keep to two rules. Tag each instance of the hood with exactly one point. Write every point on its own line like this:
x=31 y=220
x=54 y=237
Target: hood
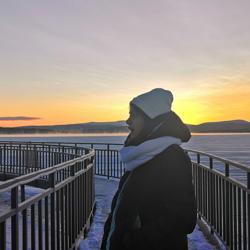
x=171 y=125
x=168 y=124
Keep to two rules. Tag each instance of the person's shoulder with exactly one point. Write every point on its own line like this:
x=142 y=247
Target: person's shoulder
x=124 y=178
x=176 y=153
x=174 y=149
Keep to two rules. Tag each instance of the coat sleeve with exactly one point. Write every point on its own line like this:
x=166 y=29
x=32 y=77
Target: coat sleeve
x=179 y=199
x=109 y=219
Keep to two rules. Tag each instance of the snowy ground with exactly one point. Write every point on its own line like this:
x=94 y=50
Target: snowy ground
x=105 y=190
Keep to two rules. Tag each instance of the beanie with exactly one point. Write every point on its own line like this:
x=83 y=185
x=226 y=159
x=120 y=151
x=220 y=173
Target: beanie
x=155 y=102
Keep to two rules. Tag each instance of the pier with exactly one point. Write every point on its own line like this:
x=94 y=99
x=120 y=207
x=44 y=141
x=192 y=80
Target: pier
x=61 y=213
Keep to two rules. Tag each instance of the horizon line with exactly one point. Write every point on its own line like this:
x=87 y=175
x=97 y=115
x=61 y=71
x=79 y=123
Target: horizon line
x=51 y=125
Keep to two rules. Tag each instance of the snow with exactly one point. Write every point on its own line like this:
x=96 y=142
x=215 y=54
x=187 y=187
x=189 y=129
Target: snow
x=5 y=198
x=105 y=190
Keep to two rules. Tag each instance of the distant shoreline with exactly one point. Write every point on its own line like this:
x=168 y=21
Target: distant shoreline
x=106 y=134
x=62 y=134
x=120 y=127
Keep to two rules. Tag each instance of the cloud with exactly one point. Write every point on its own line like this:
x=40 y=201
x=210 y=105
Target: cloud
x=18 y=118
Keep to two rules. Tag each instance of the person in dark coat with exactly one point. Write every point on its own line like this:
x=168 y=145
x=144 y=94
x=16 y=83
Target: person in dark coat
x=154 y=207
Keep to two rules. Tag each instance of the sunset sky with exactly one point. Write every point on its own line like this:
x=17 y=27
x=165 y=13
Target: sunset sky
x=69 y=61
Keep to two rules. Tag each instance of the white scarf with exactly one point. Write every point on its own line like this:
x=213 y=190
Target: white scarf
x=134 y=156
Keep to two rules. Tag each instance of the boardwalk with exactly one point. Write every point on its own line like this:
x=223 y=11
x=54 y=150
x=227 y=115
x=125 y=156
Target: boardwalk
x=104 y=192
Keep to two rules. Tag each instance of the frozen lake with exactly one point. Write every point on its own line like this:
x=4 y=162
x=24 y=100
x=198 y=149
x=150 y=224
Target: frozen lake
x=234 y=147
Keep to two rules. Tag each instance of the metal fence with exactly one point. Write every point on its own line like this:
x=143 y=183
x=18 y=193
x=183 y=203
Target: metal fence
x=107 y=159
x=58 y=214
x=223 y=201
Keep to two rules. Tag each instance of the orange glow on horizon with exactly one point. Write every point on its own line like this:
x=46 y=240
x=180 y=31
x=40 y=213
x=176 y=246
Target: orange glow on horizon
x=225 y=103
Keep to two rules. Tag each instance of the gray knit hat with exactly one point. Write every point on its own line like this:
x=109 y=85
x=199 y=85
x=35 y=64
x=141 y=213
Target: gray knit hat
x=155 y=102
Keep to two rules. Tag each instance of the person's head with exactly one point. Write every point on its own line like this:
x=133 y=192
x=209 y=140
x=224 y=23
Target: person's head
x=137 y=122
x=146 y=111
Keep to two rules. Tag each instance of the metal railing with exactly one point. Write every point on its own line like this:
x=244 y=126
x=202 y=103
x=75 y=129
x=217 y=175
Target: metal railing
x=107 y=159
x=223 y=201
x=55 y=216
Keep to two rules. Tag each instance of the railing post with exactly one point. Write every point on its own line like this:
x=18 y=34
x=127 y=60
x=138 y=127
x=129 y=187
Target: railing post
x=248 y=207
x=14 y=219
x=226 y=211
x=10 y=157
x=72 y=170
x=4 y=158
x=213 y=206
x=72 y=206
x=212 y=196
x=226 y=169
x=24 y=214
x=75 y=149
x=20 y=159
x=3 y=235
x=198 y=158
x=108 y=160
x=52 y=182
x=210 y=162
x=49 y=155
x=35 y=158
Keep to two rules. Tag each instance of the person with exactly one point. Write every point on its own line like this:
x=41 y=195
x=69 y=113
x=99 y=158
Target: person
x=154 y=207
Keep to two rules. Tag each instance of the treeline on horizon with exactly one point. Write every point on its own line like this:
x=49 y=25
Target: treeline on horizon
x=55 y=131
x=235 y=126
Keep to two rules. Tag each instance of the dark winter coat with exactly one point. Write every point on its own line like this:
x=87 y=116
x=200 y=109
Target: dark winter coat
x=156 y=208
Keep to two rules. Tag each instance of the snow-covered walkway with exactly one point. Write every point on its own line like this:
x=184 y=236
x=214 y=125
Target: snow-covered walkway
x=105 y=189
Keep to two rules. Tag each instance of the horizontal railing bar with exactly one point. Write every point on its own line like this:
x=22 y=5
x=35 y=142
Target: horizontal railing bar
x=209 y=224
x=7 y=214
x=66 y=143
x=233 y=163
x=61 y=170
x=23 y=179
x=70 y=178
x=84 y=170
x=230 y=179
x=45 y=193
x=61 y=153
x=52 y=146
